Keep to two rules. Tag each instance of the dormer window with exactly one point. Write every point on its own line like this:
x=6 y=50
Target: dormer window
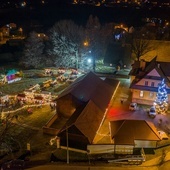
x=152 y=84
x=146 y=83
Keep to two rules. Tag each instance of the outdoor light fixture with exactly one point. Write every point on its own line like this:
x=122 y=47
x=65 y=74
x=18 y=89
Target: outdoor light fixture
x=89 y=60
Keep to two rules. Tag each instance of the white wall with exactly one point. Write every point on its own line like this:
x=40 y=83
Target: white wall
x=145 y=144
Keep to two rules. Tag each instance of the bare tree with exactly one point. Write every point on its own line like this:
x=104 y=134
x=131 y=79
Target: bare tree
x=93 y=35
x=65 y=38
x=67 y=42
x=99 y=37
x=8 y=142
x=33 y=51
x=64 y=50
x=141 y=43
x=140 y=47
x=106 y=37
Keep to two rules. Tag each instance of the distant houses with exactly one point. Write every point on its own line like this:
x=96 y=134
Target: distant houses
x=11 y=76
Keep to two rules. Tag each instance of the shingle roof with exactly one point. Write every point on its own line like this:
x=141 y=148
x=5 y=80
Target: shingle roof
x=164 y=66
x=160 y=67
x=126 y=131
x=89 y=120
x=91 y=87
x=96 y=94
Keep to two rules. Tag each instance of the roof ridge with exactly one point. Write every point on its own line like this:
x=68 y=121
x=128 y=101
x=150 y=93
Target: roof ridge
x=120 y=125
x=149 y=125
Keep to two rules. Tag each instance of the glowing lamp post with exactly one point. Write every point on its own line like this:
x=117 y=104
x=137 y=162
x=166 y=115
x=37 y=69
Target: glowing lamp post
x=20 y=31
x=86 y=43
x=89 y=60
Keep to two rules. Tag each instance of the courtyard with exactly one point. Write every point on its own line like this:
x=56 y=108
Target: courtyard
x=29 y=126
x=120 y=110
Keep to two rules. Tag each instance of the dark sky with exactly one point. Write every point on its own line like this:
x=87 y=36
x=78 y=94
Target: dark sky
x=49 y=15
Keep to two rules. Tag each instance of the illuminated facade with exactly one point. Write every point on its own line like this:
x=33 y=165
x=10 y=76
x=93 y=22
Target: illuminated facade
x=145 y=79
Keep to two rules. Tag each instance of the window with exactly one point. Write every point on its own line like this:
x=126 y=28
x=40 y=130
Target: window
x=146 y=83
x=151 y=94
x=152 y=84
x=141 y=93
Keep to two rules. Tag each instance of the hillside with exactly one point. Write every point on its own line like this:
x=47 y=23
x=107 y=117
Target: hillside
x=162 y=51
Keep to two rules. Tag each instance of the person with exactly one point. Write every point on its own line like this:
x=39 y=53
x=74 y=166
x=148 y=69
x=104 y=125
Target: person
x=53 y=158
x=160 y=122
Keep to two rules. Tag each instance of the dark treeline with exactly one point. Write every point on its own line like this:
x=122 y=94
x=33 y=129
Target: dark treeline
x=43 y=17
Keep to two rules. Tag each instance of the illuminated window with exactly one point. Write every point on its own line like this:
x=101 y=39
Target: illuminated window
x=141 y=93
x=146 y=83
x=152 y=84
x=151 y=94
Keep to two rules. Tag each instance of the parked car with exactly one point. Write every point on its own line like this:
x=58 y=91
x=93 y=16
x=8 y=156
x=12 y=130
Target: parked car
x=15 y=164
x=152 y=112
x=133 y=106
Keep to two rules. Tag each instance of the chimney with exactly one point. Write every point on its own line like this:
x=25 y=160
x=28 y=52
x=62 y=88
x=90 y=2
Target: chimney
x=142 y=64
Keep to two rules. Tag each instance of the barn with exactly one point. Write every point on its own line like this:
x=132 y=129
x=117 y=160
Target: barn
x=84 y=103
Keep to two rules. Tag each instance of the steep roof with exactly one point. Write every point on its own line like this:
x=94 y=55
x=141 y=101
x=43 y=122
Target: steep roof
x=126 y=131
x=160 y=67
x=89 y=120
x=95 y=93
x=163 y=66
x=86 y=119
x=91 y=87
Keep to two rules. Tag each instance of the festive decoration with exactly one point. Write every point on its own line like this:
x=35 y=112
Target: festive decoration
x=161 y=102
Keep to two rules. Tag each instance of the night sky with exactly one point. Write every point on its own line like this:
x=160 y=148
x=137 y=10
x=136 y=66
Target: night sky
x=48 y=14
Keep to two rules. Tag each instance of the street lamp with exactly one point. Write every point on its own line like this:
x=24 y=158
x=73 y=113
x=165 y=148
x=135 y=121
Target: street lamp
x=86 y=43
x=67 y=145
x=77 y=58
x=89 y=60
x=21 y=31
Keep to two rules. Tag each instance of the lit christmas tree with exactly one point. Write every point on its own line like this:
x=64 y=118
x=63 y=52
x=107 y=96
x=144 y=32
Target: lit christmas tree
x=161 y=102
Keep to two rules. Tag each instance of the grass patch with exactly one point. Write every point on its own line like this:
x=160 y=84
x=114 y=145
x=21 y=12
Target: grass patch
x=20 y=86
x=27 y=128
x=101 y=68
x=38 y=118
x=161 y=50
x=61 y=88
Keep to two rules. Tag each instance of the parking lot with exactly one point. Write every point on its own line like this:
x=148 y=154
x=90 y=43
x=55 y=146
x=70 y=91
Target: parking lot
x=120 y=109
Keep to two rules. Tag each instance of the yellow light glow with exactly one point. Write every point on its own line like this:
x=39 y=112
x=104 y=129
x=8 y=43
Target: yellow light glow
x=86 y=43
